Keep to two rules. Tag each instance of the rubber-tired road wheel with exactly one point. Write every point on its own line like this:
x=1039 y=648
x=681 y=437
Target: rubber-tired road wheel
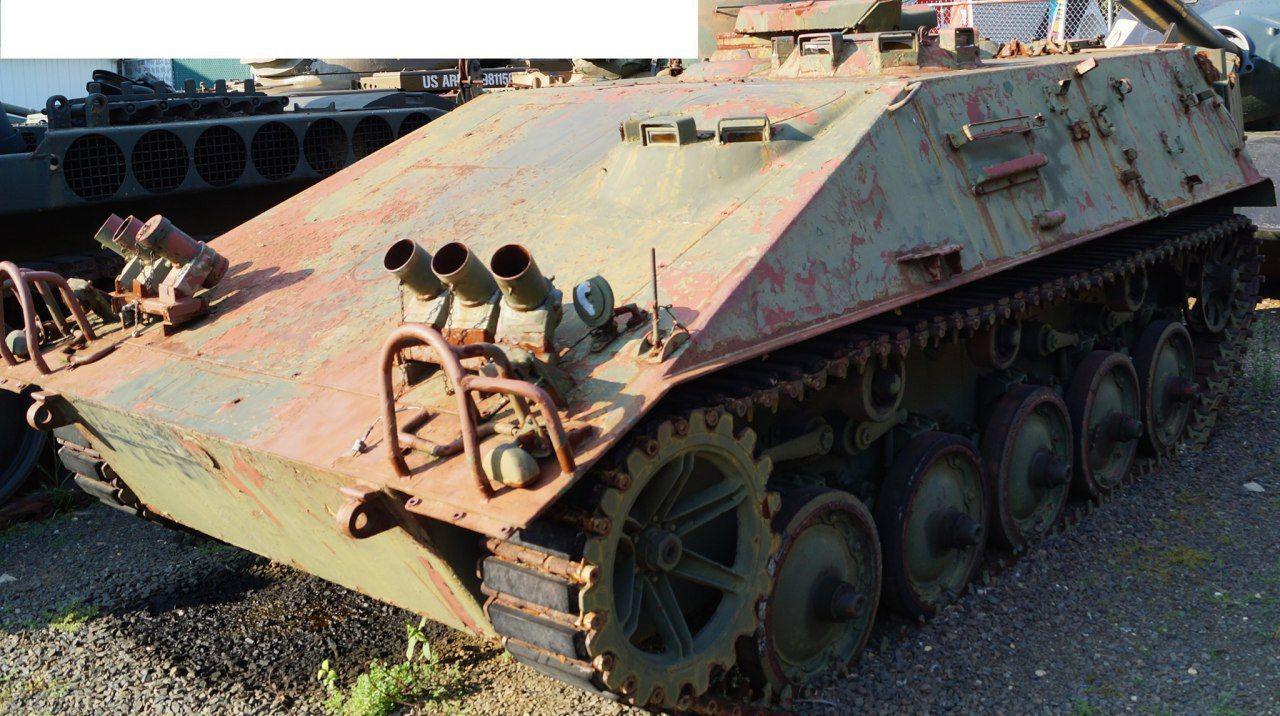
x=826 y=587
x=1106 y=420
x=20 y=445
x=1165 y=360
x=1026 y=450
x=932 y=516
x=685 y=562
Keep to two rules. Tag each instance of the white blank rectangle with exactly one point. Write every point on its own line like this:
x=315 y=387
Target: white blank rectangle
x=367 y=28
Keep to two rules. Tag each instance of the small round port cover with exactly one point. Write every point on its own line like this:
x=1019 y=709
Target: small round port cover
x=593 y=301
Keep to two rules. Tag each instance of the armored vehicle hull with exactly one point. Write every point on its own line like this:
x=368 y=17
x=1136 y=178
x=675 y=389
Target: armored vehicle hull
x=879 y=304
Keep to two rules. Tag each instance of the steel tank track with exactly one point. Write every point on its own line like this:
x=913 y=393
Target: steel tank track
x=532 y=581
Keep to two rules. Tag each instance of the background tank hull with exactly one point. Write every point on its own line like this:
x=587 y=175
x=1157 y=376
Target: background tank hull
x=817 y=225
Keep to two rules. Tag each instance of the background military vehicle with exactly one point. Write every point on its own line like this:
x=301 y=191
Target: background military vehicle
x=141 y=147
x=1251 y=27
x=704 y=371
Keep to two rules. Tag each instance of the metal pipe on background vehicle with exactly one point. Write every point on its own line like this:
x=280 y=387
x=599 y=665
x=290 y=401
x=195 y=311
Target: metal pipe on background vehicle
x=1191 y=28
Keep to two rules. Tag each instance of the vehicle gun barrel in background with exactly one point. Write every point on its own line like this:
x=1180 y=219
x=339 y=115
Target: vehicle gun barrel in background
x=1190 y=27
x=1241 y=28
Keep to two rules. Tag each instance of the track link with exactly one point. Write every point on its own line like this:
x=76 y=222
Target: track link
x=532 y=581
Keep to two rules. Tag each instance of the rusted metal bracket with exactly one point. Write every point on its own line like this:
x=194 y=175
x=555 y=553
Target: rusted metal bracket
x=1099 y=114
x=363 y=515
x=1010 y=173
x=22 y=280
x=40 y=416
x=994 y=128
x=936 y=263
x=449 y=358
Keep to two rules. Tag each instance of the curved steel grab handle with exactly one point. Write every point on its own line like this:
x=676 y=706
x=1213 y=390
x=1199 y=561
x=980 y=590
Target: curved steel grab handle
x=911 y=88
x=449 y=358
x=22 y=278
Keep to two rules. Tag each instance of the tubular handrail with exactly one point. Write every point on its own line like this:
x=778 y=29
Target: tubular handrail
x=449 y=357
x=22 y=280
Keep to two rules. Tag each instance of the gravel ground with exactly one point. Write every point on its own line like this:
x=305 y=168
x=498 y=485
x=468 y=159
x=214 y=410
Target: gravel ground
x=1164 y=600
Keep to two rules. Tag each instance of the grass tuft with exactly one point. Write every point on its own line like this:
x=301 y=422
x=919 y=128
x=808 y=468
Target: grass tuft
x=419 y=681
x=70 y=618
x=1262 y=371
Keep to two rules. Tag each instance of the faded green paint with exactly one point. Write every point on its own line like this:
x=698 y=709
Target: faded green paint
x=760 y=244
x=221 y=489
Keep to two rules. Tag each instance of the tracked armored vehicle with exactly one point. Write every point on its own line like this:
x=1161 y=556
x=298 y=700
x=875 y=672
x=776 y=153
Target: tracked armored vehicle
x=142 y=147
x=672 y=385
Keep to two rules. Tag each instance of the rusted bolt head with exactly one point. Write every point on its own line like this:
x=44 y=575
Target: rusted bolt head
x=605 y=662
x=680 y=427
x=600 y=525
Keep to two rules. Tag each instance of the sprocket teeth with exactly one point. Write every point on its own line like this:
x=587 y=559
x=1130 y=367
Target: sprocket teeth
x=666 y=431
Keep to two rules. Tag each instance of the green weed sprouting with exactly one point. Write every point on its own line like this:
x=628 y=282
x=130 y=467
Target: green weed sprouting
x=419 y=680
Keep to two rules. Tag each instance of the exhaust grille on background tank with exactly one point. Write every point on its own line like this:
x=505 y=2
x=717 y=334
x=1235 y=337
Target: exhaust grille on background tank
x=275 y=151
x=325 y=146
x=412 y=122
x=93 y=167
x=370 y=135
x=220 y=156
x=160 y=161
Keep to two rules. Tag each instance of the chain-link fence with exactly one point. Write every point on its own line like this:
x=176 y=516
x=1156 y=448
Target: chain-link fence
x=1028 y=20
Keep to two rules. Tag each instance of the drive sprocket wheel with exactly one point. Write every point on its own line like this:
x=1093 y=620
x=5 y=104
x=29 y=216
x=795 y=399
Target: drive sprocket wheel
x=1216 y=287
x=684 y=563
x=1166 y=363
x=826 y=587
